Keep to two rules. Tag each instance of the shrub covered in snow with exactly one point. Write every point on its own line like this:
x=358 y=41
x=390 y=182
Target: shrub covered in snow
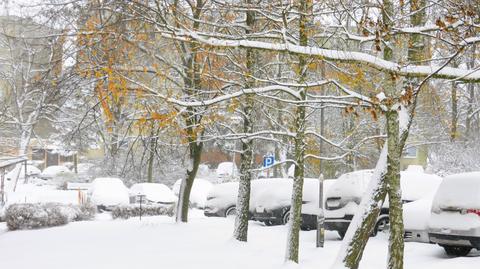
x=32 y=216
x=128 y=211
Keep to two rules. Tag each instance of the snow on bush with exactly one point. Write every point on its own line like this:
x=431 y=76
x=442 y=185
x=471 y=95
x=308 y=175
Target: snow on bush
x=133 y=210
x=55 y=171
x=33 y=216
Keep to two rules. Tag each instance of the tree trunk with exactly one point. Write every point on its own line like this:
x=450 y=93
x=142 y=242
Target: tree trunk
x=471 y=97
x=396 y=246
x=243 y=200
x=240 y=232
x=305 y=7
x=297 y=193
x=454 y=120
x=365 y=218
x=151 y=157
x=195 y=151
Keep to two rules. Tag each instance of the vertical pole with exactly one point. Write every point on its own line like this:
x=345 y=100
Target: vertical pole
x=2 y=187
x=321 y=217
x=75 y=163
x=25 y=174
x=141 y=197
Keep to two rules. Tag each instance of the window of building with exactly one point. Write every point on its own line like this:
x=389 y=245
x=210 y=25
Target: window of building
x=410 y=152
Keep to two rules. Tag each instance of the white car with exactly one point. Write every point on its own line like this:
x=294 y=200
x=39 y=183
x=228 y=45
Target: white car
x=455 y=218
x=198 y=194
x=222 y=198
x=106 y=193
x=154 y=193
x=227 y=169
x=345 y=195
x=272 y=205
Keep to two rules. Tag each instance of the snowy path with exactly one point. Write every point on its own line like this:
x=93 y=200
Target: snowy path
x=156 y=242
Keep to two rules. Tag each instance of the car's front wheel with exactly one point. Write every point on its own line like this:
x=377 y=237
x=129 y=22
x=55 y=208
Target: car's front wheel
x=286 y=217
x=231 y=212
x=457 y=250
x=382 y=225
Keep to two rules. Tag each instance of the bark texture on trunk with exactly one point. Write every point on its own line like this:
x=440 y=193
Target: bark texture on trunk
x=187 y=183
x=305 y=7
x=240 y=232
x=396 y=246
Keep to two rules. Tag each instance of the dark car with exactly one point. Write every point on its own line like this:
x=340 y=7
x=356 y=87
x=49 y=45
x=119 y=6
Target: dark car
x=272 y=206
x=345 y=195
x=222 y=198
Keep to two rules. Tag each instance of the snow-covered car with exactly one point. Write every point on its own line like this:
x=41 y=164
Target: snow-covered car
x=455 y=218
x=198 y=194
x=273 y=204
x=153 y=193
x=55 y=171
x=343 y=198
x=222 y=198
x=415 y=219
x=226 y=169
x=106 y=193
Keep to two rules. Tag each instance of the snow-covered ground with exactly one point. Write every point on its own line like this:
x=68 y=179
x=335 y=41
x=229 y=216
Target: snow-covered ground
x=157 y=242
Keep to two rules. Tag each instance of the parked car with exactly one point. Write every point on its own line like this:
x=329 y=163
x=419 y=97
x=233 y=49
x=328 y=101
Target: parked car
x=152 y=193
x=106 y=193
x=226 y=169
x=455 y=218
x=415 y=219
x=346 y=194
x=273 y=204
x=198 y=195
x=222 y=198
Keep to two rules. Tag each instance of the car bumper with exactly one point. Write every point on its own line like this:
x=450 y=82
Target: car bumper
x=338 y=224
x=213 y=212
x=454 y=240
x=275 y=216
x=309 y=222
x=416 y=236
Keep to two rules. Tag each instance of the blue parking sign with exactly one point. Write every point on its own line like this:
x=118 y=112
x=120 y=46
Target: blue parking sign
x=268 y=161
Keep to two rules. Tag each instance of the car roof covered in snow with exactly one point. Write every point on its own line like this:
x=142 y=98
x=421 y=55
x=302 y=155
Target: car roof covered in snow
x=459 y=191
x=155 y=192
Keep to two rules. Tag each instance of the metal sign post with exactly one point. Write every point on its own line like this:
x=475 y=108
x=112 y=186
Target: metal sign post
x=2 y=187
x=321 y=216
x=141 y=199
